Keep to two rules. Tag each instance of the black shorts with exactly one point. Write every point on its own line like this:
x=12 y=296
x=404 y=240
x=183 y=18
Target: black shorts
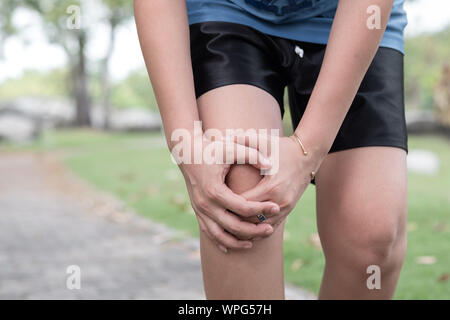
x=228 y=53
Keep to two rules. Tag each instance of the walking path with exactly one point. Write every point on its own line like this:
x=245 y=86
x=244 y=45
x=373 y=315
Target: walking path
x=50 y=220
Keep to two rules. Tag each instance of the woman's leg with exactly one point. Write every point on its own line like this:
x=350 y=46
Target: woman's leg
x=361 y=213
x=256 y=273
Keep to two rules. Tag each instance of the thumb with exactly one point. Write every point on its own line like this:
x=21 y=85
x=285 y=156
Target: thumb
x=258 y=192
x=240 y=154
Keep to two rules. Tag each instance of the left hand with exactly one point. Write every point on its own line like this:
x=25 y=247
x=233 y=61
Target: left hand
x=287 y=184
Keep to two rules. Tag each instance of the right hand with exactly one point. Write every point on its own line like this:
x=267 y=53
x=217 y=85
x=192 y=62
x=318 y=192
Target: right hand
x=218 y=209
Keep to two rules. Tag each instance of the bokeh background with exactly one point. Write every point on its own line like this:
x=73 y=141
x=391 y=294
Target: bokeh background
x=78 y=116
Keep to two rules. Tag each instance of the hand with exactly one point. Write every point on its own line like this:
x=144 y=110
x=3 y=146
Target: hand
x=212 y=200
x=287 y=184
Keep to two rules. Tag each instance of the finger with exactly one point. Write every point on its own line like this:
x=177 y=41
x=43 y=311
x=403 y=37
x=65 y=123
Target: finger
x=204 y=228
x=258 y=192
x=226 y=239
x=242 y=229
x=222 y=248
x=202 y=225
x=240 y=154
x=274 y=222
x=252 y=140
x=239 y=205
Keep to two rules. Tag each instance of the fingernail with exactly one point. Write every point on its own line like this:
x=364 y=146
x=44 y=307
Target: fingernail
x=248 y=245
x=274 y=210
x=269 y=231
x=222 y=248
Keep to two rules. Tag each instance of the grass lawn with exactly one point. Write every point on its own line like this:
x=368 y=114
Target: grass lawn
x=137 y=169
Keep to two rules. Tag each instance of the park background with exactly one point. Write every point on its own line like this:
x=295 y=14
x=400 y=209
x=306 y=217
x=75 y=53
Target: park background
x=82 y=98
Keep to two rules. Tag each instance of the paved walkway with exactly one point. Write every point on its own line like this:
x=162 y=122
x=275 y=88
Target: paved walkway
x=50 y=220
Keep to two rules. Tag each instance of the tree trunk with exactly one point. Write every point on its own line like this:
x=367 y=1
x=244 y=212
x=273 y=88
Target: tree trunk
x=106 y=84
x=81 y=88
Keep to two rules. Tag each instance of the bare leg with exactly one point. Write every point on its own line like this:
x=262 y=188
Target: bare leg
x=361 y=213
x=256 y=273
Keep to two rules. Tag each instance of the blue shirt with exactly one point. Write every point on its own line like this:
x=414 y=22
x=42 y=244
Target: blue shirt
x=302 y=20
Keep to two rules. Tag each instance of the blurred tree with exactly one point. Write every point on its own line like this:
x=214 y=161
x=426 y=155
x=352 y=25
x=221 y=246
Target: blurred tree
x=442 y=97
x=7 y=7
x=134 y=91
x=425 y=56
x=118 y=12
x=47 y=84
x=65 y=24
x=62 y=23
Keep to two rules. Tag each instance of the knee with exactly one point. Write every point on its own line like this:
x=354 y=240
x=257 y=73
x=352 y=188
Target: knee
x=241 y=178
x=384 y=247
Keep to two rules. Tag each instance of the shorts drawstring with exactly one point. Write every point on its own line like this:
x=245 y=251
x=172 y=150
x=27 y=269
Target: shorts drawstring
x=299 y=51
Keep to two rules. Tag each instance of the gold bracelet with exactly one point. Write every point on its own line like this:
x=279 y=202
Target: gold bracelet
x=297 y=138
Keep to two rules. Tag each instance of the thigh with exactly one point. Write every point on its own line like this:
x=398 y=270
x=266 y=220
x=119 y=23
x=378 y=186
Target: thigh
x=361 y=200
x=256 y=273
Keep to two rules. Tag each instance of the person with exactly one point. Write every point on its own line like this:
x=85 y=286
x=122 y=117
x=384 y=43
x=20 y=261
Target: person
x=227 y=63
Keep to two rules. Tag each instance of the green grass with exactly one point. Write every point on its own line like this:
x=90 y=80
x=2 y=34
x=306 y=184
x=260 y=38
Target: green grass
x=137 y=169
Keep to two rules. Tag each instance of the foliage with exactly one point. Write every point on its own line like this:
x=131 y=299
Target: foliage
x=37 y=84
x=425 y=57
x=118 y=10
x=134 y=91
x=69 y=24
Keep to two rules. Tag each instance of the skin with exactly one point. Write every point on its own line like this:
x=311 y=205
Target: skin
x=361 y=218
x=361 y=193
x=256 y=273
x=170 y=72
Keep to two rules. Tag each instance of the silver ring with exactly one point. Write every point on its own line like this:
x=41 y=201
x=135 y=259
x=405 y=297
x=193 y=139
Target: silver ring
x=261 y=217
